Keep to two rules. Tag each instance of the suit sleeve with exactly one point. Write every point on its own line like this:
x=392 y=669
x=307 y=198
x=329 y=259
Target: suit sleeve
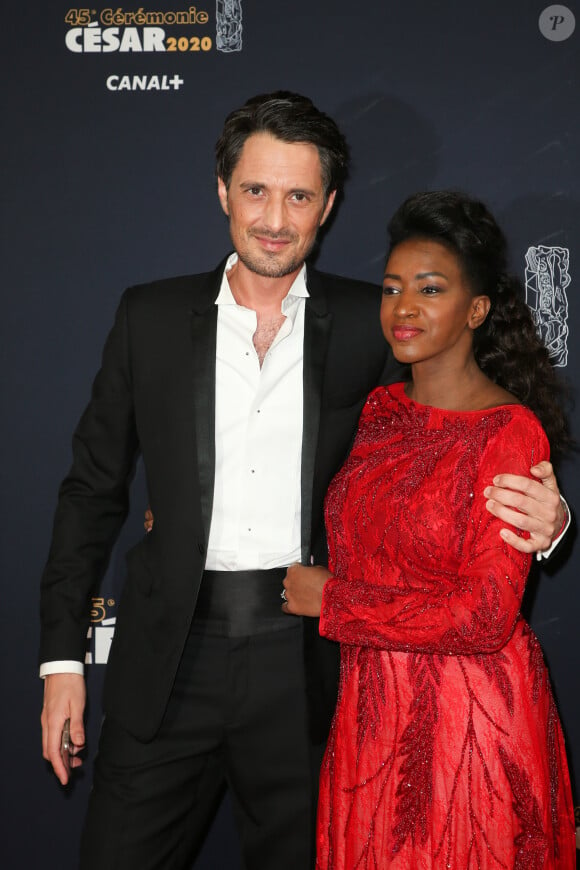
x=477 y=611
x=93 y=501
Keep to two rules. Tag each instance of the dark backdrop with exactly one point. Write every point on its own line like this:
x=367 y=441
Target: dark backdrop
x=104 y=188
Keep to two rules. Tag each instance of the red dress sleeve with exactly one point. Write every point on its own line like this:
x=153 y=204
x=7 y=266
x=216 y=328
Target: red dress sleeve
x=471 y=608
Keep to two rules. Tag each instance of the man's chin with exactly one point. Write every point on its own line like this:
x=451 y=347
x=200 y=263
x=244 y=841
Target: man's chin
x=267 y=268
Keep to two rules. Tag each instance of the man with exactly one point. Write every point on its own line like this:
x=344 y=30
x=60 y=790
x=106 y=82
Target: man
x=242 y=389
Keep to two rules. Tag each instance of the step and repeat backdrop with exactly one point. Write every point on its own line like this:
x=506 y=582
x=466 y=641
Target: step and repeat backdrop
x=110 y=118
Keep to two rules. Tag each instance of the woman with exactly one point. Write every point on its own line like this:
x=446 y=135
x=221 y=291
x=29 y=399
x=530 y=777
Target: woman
x=446 y=749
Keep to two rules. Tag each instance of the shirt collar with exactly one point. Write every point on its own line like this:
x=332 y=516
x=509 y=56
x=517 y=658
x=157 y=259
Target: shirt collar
x=297 y=290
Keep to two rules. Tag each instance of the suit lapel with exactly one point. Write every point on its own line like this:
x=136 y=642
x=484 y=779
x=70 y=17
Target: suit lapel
x=203 y=330
x=317 y=324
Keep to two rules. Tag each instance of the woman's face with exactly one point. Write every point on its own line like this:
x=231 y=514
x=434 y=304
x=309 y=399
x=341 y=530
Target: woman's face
x=428 y=311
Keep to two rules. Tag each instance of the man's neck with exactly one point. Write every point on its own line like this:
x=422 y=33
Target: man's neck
x=262 y=294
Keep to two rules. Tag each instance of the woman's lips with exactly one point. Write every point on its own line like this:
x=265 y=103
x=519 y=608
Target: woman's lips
x=404 y=333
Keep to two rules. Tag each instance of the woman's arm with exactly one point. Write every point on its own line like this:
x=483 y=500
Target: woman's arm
x=474 y=610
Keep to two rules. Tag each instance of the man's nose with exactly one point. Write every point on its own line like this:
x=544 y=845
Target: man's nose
x=275 y=214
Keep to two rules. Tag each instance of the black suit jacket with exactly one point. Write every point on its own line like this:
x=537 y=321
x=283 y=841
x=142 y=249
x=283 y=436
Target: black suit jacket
x=155 y=393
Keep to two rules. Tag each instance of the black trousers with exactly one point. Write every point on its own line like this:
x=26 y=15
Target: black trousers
x=237 y=715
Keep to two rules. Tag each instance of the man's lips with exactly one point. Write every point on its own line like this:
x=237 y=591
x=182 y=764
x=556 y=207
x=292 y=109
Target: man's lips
x=272 y=243
x=404 y=333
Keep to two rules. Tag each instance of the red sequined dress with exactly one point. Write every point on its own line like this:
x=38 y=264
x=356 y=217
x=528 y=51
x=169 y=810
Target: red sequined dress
x=446 y=749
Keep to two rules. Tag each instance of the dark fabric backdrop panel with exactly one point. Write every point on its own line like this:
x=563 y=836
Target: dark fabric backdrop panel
x=106 y=185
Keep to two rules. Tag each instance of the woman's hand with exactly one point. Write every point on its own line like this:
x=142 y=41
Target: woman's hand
x=303 y=588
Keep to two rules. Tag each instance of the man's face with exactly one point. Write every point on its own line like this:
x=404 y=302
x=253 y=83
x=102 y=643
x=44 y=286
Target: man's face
x=275 y=203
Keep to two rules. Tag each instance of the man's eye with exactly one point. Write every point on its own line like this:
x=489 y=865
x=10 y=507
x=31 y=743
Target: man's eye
x=299 y=197
x=255 y=191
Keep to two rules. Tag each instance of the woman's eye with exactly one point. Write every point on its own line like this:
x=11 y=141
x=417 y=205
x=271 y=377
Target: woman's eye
x=390 y=291
x=430 y=290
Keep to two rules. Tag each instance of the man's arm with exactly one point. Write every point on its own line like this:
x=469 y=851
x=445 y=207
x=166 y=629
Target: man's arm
x=93 y=502
x=92 y=506
x=534 y=506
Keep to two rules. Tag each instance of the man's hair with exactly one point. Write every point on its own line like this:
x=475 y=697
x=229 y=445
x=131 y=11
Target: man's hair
x=290 y=118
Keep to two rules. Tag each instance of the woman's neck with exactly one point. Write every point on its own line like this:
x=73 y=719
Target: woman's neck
x=455 y=388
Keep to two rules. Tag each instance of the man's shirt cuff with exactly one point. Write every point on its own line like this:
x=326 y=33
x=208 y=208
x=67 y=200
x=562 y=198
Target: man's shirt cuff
x=545 y=554
x=64 y=667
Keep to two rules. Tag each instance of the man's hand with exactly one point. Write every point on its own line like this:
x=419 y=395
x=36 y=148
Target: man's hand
x=303 y=586
x=64 y=698
x=149 y=520
x=531 y=505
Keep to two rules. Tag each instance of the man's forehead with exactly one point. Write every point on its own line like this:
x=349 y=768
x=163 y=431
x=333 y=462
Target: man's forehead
x=263 y=151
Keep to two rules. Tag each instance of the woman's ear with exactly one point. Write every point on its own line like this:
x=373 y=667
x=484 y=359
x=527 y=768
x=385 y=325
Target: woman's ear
x=479 y=310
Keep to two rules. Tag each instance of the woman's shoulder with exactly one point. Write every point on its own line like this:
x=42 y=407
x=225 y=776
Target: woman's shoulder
x=389 y=393
x=519 y=430
x=384 y=398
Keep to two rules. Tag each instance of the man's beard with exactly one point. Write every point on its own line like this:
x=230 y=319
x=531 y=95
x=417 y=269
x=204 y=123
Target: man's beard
x=269 y=266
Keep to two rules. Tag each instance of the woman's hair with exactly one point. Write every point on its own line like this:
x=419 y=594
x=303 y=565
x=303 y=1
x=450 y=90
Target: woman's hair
x=506 y=346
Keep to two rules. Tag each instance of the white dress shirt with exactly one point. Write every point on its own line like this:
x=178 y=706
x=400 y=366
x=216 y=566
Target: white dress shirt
x=258 y=437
